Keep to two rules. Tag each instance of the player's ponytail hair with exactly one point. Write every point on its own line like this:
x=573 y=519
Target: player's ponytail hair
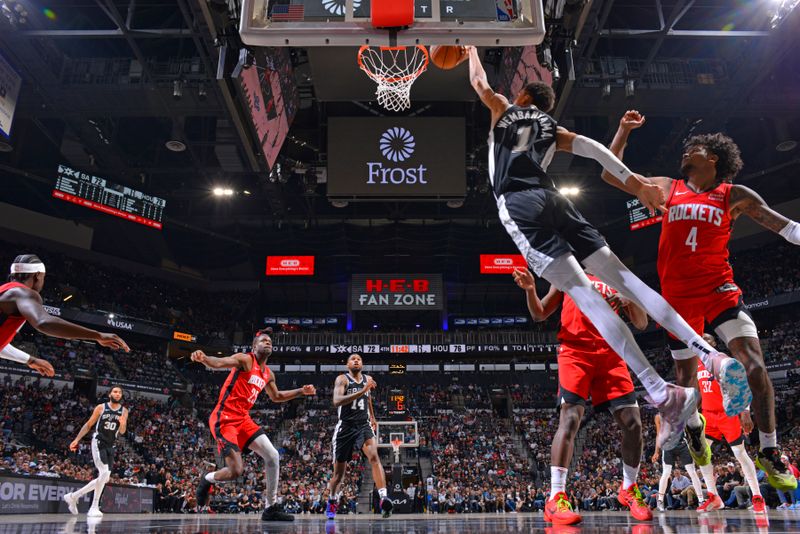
x=542 y=95
x=263 y=331
x=730 y=157
x=22 y=277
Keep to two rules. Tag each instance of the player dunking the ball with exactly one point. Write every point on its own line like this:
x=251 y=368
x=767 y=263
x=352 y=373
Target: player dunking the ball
x=235 y=431
x=697 y=280
x=355 y=431
x=20 y=302
x=587 y=367
x=108 y=420
x=554 y=237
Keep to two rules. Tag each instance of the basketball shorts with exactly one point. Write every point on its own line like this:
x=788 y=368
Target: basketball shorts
x=679 y=455
x=597 y=373
x=102 y=454
x=546 y=225
x=349 y=438
x=719 y=426
x=234 y=435
x=715 y=309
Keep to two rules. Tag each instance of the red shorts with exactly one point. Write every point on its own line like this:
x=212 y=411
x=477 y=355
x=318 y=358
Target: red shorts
x=597 y=373
x=699 y=311
x=233 y=434
x=719 y=425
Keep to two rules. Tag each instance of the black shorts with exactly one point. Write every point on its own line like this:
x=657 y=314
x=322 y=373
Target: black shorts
x=102 y=454
x=546 y=225
x=679 y=454
x=349 y=438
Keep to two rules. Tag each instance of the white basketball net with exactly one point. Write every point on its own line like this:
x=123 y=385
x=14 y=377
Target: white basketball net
x=394 y=69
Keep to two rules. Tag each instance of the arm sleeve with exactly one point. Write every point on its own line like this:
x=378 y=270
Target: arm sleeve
x=12 y=353
x=589 y=148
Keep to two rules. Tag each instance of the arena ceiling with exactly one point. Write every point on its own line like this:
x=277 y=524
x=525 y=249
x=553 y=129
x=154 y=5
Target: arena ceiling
x=100 y=78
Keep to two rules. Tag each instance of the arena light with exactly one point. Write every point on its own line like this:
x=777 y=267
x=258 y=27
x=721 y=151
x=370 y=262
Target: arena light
x=780 y=10
x=111 y=315
x=222 y=192
x=67 y=298
x=569 y=191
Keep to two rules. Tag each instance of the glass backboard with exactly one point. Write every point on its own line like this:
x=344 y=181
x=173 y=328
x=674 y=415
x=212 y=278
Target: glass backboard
x=304 y=23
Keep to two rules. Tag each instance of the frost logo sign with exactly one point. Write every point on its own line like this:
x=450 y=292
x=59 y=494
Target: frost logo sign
x=397 y=145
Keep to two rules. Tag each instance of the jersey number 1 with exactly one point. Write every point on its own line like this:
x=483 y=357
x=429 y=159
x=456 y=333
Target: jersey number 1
x=358 y=404
x=691 y=239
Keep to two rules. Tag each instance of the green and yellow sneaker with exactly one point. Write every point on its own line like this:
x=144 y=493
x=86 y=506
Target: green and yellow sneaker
x=778 y=475
x=699 y=448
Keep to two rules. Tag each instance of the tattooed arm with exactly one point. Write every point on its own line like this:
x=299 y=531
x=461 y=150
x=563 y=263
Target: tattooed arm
x=745 y=201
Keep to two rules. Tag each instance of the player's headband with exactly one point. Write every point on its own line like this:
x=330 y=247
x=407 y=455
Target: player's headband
x=27 y=268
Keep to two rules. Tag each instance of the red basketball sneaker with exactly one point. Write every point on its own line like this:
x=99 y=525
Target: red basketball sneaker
x=712 y=503
x=632 y=498
x=558 y=511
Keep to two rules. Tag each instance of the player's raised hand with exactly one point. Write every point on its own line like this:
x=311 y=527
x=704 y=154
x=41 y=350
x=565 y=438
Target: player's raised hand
x=199 y=356
x=309 y=390
x=524 y=279
x=651 y=196
x=113 y=341
x=631 y=120
x=43 y=367
x=371 y=384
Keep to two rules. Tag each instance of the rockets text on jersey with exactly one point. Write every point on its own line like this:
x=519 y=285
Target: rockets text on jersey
x=693 y=247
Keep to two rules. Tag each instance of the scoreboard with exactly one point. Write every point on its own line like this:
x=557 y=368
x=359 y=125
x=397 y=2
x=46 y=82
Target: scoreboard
x=99 y=194
x=396 y=402
x=639 y=216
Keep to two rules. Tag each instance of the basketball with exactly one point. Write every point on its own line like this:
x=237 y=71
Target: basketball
x=448 y=57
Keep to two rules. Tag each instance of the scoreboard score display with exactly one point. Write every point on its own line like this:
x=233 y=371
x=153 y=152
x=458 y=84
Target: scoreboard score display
x=99 y=194
x=639 y=216
x=396 y=292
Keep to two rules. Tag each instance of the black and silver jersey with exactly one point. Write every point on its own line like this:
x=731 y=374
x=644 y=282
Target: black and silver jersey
x=356 y=412
x=521 y=146
x=107 y=426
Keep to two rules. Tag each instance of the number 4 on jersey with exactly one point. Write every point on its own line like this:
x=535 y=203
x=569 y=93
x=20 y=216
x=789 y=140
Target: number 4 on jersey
x=691 y=239
x=358 y=404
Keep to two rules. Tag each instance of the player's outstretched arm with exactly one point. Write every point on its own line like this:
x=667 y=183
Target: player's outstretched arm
x=631 y=120
x=650 y=195
x=496 y=102
x=277 y=395
x=43 y=367
x=236 y=361
x=87 y=426
x=340 y=387
x=540 y=309
x=745 y=201
x=29 y=305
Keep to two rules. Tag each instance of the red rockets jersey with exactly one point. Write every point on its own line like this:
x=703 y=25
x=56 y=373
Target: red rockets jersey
x=9 y=324
x=693 y=249
x=709 y=389
x=240 y=391
x=575 y=326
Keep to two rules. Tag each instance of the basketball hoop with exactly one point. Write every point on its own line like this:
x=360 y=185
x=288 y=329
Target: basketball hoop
x=396 y=448
x=394 y=69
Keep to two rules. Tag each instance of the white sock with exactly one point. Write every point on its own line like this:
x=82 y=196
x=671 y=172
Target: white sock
x=558 y=480
x=607 y=267
x=210 y=477
x=708 y=476
x=629 y=475
x=698 y=486
x=767 y=439
x=666 y=471
x=748 y=468
x=694 y=420
x=655 y=385
x=382 y=493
